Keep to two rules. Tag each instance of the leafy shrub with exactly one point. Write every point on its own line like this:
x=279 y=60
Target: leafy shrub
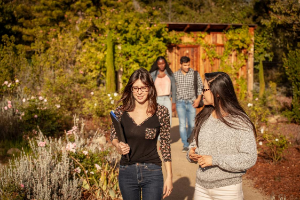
x=100 y=103
x=37 y=112
x=256 y=111
x=276 y=145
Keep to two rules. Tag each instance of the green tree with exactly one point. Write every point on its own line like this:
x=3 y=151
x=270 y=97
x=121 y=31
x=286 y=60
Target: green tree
x=262 y=52
x=292 y=68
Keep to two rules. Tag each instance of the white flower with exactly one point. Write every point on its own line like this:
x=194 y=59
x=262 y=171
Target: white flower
x=85 y=152
x=112 y=102
x=108 y=95
x=250 y=104
x=32 y=97
x=91 y=172
x=95 y=104
x=78 y=170
x=276 y=140
x=5 y=108
x=45 y=100
x=260 y=143
x=97 y=167
x=71 y=147
x=115 y=94
x=110 y=98
x=256 y=99
x=262 y=130
x=5 y=83
x=9 y=85
x=41 y=98
x=57 y=105
x=24 y=100
x=17 y=81
x=92 y=93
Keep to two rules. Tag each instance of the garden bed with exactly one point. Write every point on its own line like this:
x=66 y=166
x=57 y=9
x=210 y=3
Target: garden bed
x=282 y=178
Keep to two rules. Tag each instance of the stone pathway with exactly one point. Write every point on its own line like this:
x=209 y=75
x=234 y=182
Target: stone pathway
x=184 y=173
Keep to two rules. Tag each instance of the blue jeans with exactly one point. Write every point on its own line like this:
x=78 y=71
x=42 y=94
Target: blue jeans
x=145 y=177
x=186 y=114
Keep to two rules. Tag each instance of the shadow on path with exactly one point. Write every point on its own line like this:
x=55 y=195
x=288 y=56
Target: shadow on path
x=182 y=190
x=175 y=136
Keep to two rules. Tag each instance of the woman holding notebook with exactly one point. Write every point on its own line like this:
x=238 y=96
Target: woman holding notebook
x=143 y=120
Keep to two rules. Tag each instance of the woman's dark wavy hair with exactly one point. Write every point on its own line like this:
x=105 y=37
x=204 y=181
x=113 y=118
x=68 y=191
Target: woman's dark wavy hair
x=154 y=67
x=127 y=96
x=224 y=96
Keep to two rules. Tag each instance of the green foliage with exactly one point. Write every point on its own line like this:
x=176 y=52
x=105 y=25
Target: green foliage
x=38 y=114
x=292 y=69
x=256 y=111
x=236 y=11
x=282 y=19
x=100 y=178
x=21 y=144
x=262 y=52
x=12 y=59
x=276 y=146
x=100 y=103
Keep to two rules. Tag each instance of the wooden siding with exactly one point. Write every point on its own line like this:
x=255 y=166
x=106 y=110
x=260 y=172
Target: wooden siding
x=203 y=65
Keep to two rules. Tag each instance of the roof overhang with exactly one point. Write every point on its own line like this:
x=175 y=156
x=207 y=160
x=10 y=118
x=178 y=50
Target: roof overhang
x=203 y=27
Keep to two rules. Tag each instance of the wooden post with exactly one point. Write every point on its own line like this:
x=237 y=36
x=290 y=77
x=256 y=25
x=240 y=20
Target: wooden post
x=250 y=65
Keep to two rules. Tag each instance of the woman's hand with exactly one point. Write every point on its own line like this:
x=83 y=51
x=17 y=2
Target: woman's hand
x=205 y=161
x=192 y=155
x=168 y=187
x=123 y=148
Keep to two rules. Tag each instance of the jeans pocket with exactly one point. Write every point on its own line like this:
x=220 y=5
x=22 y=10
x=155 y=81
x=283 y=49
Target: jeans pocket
x=150 y=133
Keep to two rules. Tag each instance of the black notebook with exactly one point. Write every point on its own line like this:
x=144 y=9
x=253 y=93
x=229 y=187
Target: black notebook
x=119 y=129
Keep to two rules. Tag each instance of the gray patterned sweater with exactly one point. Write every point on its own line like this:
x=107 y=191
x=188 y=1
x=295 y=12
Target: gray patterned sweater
x=233 y=151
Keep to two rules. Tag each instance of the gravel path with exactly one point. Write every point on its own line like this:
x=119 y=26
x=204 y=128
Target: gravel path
x=184 y=173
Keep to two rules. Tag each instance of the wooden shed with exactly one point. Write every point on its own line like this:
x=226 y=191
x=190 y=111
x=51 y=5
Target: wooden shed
x=215 y=36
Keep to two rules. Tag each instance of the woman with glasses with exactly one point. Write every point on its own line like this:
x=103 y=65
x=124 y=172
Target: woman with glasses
x=143 y=120
x=224 y=144
x=165 y=84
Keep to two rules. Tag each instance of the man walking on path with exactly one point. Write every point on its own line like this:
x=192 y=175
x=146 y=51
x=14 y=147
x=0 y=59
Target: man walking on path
x=186 y=101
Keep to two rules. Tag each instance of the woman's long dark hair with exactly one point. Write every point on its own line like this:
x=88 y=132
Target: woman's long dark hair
x=154 y=67
x=225 y=100
x=127 y=96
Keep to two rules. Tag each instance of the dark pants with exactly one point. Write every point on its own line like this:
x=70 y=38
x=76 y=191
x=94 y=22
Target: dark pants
x=141 y=178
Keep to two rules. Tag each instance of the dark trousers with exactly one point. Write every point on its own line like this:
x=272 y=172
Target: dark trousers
x=141 y=179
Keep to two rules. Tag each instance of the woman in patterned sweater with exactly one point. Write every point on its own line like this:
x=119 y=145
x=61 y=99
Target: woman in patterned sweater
x=224 y=142
x=143 y=120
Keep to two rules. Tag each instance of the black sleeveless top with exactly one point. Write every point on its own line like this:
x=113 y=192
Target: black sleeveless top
x=142 y=140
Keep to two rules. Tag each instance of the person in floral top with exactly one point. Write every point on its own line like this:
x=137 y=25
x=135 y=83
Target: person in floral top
x=143 y=120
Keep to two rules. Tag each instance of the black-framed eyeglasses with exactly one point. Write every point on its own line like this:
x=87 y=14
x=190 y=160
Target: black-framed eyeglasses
x=143 y=89
x=204 y=90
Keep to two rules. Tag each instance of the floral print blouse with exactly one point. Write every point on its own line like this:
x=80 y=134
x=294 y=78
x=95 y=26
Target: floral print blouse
x=163 y=116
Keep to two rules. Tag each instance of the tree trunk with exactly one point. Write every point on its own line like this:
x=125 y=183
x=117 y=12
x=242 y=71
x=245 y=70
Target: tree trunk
x=110 y=69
